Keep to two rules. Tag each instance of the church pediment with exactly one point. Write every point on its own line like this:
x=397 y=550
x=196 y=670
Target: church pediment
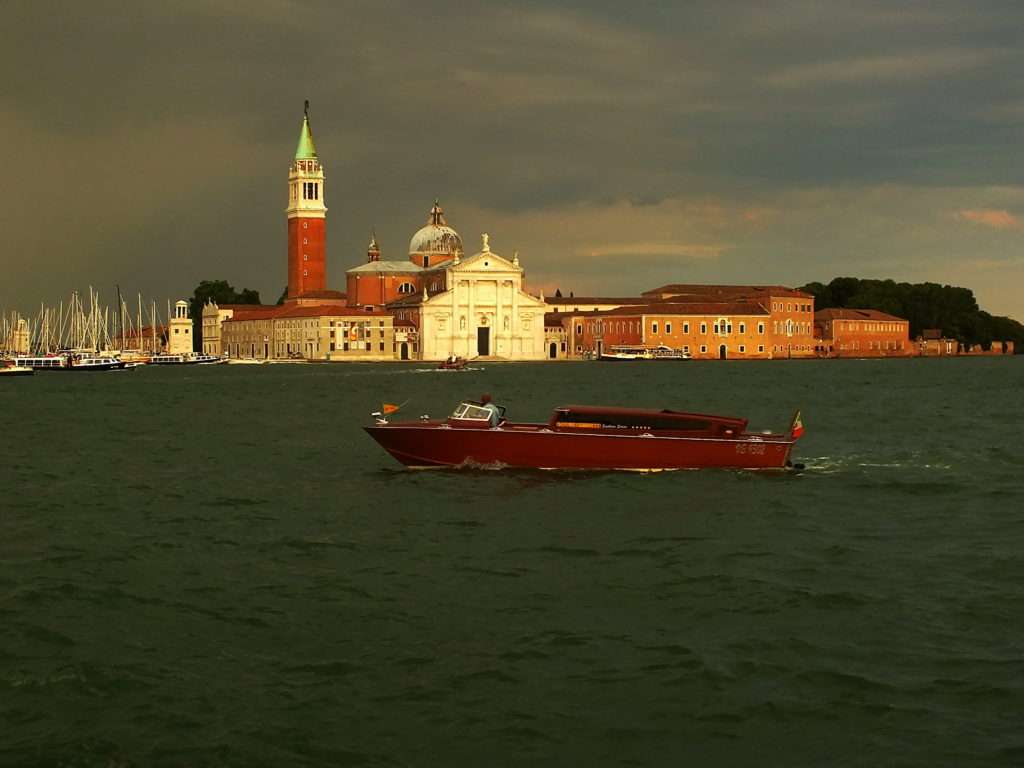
x=487 y=261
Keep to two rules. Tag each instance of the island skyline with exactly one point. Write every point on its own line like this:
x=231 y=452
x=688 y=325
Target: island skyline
x=613 y=153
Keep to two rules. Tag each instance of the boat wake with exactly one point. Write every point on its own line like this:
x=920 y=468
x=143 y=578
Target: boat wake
x=828 y=465
x=446 y=370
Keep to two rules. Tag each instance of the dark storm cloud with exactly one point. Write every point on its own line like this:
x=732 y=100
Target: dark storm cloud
x=154 y=138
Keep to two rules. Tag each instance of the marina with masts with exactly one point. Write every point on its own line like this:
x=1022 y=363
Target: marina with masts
x=87 y=335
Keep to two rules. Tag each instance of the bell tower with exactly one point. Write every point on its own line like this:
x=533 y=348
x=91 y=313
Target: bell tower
x=307 y=230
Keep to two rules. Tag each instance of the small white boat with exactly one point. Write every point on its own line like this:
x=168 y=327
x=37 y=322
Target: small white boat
x=9 y=368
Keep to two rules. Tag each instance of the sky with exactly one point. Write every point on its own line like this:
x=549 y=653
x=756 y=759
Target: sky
x=616 y=146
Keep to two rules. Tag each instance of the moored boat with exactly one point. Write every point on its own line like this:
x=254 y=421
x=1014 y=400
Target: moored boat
x=71 y=362
x=10 y=368
x=42 y=362
x=188 y=358
x=585 y=437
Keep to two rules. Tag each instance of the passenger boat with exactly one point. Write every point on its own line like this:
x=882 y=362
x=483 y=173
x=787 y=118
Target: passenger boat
x=452 y=364
x=93 y=363
x=667 y=353
x=71 y=362
x=622 y=353
x=189 y=358
x=42 y=362
x=585 y=437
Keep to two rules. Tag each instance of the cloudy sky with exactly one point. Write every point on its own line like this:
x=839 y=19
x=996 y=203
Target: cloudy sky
x=616 y=145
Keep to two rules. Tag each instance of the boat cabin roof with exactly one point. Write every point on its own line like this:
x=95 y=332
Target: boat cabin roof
x=641 y=418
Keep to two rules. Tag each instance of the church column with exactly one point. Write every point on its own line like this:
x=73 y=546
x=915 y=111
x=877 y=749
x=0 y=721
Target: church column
x=515 y=324
x=471 y=319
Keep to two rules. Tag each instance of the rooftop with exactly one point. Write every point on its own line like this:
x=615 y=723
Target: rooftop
x=856 y=314
x=688 y=289
x=373 y=267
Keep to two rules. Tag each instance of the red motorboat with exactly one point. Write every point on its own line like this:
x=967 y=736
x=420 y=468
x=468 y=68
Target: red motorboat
x=585 y=437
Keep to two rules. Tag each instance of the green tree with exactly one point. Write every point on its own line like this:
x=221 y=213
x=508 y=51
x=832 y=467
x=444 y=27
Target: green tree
x=219 y=292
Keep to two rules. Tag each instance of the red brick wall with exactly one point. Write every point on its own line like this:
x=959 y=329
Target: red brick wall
x=306 y=238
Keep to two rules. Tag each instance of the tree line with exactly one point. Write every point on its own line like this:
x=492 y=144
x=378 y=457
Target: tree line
x=949 y=308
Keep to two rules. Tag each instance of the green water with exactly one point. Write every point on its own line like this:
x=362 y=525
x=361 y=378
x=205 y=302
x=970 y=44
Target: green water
x=216 y=566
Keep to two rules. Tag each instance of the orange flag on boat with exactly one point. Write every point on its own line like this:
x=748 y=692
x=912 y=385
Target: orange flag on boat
x=389 y=408
x=797 y=428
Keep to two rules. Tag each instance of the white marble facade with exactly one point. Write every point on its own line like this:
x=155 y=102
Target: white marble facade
x=484 y=312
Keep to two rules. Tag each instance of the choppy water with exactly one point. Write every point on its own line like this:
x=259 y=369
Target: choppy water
x=217 y=567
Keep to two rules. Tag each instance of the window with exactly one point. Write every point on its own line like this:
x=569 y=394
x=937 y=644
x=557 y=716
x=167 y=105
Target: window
x=686 y=327
x=305 y=273
x=743 y=348
x=382 y=346
x=704 y=328
x=760 y=329
x=743 y=329
x=305 y=241
x=760 y=347
x=305 y=225
x=668 y=328
x=654 y=328
x=703 y=348
x=305 y=257
x=686 y=348
x=579 y=328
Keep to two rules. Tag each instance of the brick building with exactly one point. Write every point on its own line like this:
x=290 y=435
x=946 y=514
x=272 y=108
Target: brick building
x=861 y=333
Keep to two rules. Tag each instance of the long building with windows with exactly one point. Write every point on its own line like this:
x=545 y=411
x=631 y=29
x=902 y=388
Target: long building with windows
x=706 y=321
x=862 y=333
x=291 y=332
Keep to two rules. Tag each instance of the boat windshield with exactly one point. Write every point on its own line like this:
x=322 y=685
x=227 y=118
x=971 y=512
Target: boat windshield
x=471 y=411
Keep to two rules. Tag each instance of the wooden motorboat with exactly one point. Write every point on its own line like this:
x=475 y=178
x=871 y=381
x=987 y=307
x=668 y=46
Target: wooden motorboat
x=452 y=364
x=585 y=437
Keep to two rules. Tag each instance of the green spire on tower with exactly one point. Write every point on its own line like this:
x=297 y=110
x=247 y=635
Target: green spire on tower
x=306 y=149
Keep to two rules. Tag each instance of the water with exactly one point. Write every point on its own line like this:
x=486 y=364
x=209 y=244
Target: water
x=217 y=567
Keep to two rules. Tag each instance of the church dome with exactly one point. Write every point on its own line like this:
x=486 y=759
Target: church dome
x=436 y=238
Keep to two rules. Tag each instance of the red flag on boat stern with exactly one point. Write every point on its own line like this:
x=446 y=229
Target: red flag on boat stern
x=797 y=428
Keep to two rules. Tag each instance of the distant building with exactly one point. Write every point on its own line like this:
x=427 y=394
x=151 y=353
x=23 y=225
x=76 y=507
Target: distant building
x=444 y=304
x=931 y=343
x=861 y=333
x=291 y=332
x=179 y=332
x=791 y=312
x=712 y=330
x=707 y=321
x=19 y=338
x=307 y=213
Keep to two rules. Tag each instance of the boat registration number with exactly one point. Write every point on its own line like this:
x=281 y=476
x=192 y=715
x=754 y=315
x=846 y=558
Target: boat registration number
x=751 y=448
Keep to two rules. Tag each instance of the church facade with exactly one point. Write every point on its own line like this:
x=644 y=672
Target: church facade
x=445 y=304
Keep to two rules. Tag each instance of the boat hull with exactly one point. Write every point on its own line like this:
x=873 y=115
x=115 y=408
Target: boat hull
x=439 y=445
